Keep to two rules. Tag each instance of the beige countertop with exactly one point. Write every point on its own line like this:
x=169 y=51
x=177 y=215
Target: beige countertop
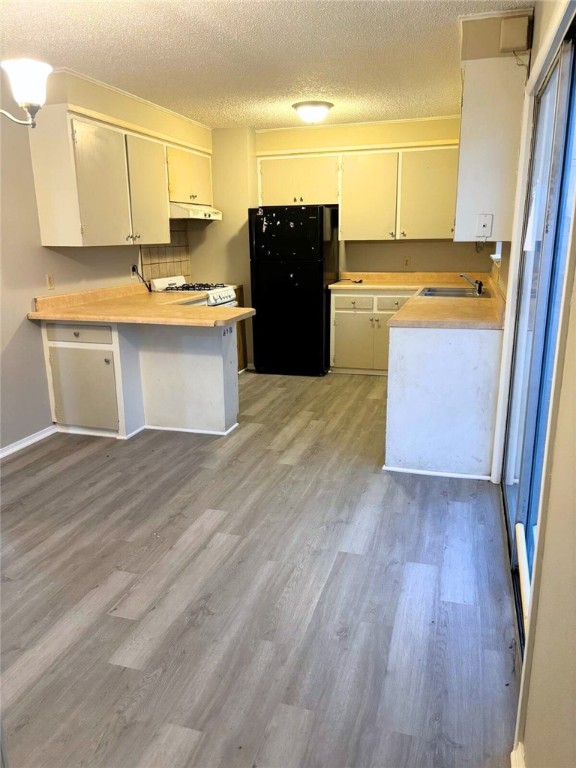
x=135 y=304
x=433 y=311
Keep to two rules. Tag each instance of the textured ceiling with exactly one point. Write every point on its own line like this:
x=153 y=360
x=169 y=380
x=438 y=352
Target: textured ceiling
x=244 y=62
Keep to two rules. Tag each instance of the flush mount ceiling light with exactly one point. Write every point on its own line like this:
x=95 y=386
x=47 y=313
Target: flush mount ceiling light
x=312 y=111
x=28 y=83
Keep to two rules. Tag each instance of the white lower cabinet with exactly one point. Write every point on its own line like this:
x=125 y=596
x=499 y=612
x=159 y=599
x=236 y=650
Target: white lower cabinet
x=353 y=340
x=84 y=387
x=93 y=375
x=360 y=332
x=114 y=379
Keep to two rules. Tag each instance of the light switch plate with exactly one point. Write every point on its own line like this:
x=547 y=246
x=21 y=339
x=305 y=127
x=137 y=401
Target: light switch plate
x=484 y=224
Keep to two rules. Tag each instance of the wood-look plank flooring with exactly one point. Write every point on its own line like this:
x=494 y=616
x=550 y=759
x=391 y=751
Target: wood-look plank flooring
x=270 y=599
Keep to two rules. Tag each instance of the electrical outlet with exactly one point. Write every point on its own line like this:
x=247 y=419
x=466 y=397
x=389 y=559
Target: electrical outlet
x=50 y=282
x=406 y=262
x=134 y=271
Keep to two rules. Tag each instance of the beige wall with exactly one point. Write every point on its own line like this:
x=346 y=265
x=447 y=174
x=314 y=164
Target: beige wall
x=98 y=99
x=219 y=251
x=546 y=15
x=330 y=138
x=416 y=256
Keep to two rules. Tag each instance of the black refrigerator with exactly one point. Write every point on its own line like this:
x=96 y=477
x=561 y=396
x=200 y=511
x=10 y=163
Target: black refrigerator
x=293 y=260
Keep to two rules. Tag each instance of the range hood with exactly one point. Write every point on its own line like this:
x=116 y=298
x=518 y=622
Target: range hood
x=189 y=211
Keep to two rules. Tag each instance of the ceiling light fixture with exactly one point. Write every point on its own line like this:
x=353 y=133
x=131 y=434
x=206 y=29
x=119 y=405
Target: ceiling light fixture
x=28 y=83
x=312 y=111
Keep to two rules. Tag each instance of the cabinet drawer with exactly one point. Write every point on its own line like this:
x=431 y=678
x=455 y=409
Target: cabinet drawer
x=389 y=303
x=95 y=334
x=354 y=302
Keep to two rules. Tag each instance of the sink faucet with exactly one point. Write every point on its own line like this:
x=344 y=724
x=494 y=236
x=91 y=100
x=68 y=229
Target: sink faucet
x=478 y=285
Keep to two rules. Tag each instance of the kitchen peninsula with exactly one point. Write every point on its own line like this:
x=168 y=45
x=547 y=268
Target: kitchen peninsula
x=120 y=360
x=442 y=356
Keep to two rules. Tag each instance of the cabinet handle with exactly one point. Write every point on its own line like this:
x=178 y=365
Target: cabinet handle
x=295 y=200
x=371 y=320
x=403 y=233
x=392 y=234
x=378 y=320
x=129 y=237
x=107 y=360
x=76 y=334
x=301 y=199
x=353 y=301
x=136 y=237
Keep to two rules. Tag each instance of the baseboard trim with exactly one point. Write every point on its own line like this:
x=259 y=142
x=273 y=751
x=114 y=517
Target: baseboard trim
x=194 y=431
x=360 y=371
x=26 y=441
x=517 y=757
x=432 y=473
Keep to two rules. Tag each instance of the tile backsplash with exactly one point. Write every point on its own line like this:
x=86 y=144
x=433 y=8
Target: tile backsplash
x=168 y=260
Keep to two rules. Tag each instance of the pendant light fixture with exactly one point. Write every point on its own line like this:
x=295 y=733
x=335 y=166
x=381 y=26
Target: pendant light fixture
x=28 y=83
x=312 y=111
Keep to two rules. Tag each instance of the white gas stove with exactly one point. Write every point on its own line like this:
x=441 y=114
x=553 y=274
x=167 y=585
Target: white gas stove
x=219 y=294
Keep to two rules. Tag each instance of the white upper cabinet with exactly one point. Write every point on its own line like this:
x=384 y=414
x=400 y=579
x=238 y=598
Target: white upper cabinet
x=427 y=194
x=148 y=190
x=189 y=177
x=102 y=185
x=368 y=200
x=299 y=180
x=492 y=106
x=96 y=185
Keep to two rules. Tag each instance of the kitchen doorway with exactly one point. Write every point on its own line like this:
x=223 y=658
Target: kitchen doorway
x=547 y=231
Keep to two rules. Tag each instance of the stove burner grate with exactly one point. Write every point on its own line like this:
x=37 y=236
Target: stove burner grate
x=195 y=287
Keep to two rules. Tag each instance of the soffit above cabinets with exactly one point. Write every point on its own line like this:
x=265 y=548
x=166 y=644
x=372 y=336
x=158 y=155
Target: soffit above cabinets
x=244 y=63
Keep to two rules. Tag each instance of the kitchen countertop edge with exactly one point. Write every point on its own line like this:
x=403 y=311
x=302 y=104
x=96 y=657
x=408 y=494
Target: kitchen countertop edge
x=434 y=312
x=132 y=305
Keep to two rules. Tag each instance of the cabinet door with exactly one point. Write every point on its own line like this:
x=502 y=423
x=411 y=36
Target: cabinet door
x=102 y=182
x=278 y=180
x=428 y=194
x=381 y=340
x=189 y=177
x=299 y=180
x=353 y=340
x=317 y=180
x=368 y=204
x=84 y=387
x=148 y=191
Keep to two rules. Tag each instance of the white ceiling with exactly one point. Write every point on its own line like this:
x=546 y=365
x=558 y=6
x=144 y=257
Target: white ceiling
x=244 y=62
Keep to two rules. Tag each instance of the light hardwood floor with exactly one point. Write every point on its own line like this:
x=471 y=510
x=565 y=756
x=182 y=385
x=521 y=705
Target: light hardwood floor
x=269 y=599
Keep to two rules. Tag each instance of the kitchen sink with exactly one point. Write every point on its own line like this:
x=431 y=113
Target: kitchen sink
x=454 y=293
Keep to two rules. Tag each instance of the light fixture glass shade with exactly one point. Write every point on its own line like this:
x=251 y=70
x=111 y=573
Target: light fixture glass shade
x=312 y=111
x=27 y=80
